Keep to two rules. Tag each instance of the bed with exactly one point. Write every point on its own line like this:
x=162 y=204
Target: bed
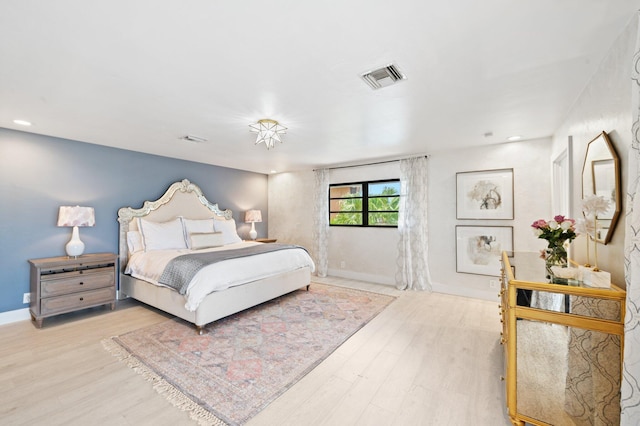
x=149 y=238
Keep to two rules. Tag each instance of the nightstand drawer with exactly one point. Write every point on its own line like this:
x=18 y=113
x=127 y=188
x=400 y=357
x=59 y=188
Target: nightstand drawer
x=70 y=282
x=72 y=302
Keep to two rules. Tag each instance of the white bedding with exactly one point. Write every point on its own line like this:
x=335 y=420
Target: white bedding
x=149 y=266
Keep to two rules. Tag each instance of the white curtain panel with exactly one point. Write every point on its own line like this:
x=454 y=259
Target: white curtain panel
x=413 y=269
x=321 y=221
x=630 y=398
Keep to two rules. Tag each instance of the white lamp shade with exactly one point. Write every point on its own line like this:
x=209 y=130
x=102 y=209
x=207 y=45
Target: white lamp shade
x=253 y=216
x=76 y=216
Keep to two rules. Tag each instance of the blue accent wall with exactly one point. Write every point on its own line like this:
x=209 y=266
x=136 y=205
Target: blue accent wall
x=40 y=173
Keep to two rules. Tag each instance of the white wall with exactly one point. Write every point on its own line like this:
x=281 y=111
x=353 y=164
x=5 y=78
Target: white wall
x=371 y=253
x=291 y=207
x=359 y=253
x=532 y=201
x=604 y=105
x=364 y=253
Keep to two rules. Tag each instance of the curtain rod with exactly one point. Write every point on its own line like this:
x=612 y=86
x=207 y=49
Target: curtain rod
x=370 y=164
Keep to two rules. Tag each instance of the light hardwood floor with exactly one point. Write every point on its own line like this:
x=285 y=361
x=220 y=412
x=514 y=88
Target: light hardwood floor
x=427 y=359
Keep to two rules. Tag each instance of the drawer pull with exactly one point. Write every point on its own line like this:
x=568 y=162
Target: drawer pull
x=81 y=299
x=81 y=283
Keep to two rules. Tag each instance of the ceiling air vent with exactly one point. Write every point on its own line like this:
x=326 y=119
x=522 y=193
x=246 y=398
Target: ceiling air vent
x=192 y=138
x=383 y=77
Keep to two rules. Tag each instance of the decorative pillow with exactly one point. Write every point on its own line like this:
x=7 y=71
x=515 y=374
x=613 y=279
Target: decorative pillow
x=204 y=240
x=228 y=229
x=196 y=226
x=162 y=235
x=134 y=242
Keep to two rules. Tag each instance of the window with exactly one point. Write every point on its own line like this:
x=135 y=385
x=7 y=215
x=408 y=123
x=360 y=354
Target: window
x=372 y=203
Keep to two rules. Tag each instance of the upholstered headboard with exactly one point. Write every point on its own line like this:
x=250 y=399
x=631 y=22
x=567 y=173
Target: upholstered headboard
x=181 y=199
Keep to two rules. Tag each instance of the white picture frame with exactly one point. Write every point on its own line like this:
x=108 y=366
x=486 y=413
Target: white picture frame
x=484 y=194
x=479 y=248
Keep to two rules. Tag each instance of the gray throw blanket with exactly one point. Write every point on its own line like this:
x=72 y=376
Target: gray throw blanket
x=180 y=270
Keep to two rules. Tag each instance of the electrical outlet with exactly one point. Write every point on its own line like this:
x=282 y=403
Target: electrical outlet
x=343 y=264
x=493 y=283
x=26 y=298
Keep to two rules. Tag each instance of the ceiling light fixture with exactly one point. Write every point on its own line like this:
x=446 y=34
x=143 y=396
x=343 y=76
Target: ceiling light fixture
x=22 y=122
x=514 y=138
x=268 y=131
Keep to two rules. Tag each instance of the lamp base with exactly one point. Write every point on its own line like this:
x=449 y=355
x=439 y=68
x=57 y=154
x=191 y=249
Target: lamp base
x=75 y=247
x=253 y=234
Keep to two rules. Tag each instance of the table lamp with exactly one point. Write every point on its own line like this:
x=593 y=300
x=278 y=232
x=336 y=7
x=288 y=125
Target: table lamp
x=253 y=216
x=75 y=216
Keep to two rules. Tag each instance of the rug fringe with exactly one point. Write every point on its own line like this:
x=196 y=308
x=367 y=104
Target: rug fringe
x=162 y=387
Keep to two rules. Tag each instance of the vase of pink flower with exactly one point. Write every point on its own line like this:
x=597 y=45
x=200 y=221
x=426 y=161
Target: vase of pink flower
x=558 y=232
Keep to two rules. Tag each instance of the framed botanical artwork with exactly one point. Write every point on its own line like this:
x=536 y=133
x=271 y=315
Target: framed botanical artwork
x=479 y=248
x=486 y=194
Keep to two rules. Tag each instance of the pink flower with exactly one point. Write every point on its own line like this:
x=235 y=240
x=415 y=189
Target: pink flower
x=540 y=223
x=559 y=218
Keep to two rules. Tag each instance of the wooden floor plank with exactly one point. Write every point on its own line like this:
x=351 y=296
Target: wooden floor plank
x=427 y=359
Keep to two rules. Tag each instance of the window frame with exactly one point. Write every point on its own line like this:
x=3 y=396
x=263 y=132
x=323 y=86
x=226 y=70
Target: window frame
x=365 y=203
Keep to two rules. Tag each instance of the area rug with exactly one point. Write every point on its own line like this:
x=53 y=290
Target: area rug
x=245 y=361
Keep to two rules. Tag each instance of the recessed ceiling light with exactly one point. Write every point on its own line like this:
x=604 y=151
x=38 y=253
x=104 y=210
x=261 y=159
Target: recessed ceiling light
x=274 y=171
x=22 y=122
x=514 y=138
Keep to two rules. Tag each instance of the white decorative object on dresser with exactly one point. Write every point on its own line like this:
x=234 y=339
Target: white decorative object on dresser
x=65 y=284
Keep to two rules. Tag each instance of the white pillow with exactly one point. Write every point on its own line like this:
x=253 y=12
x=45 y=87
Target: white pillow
x=202 y=240
x=162 y=235
x=196 y=226
x=134 y=242
x=228 y=229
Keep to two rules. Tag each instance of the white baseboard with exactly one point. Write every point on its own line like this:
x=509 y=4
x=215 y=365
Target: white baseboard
x=360 y=276
x=14 y=316
x=490 y=295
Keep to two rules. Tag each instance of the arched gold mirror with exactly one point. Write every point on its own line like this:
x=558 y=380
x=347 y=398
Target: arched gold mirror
x=601 y=176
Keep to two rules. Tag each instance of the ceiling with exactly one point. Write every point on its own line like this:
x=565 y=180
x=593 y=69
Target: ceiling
x=139 y=75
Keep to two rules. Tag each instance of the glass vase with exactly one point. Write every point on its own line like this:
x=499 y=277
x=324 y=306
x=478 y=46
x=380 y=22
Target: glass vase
x=555 y=255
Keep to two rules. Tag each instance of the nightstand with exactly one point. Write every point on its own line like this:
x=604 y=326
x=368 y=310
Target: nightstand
x=266 y=240
x=66 y=284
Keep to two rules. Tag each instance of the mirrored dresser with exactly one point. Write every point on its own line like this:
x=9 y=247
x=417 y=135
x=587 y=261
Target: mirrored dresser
x=563 y=346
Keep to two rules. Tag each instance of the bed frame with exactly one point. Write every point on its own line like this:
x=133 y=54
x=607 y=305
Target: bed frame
x=186 y=199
